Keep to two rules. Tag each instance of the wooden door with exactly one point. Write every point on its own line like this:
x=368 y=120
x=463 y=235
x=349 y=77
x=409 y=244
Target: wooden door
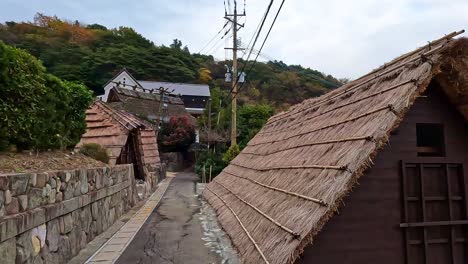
x=434 y=213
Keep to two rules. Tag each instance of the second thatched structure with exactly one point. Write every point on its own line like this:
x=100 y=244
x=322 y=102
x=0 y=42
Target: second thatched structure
x=404 y=202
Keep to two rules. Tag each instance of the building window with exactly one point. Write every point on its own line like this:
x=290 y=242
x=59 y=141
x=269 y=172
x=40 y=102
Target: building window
x=430 y=140
x=434 y=213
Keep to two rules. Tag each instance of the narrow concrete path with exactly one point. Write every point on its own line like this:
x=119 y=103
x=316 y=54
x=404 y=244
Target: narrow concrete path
x=113 y=248
x=172 y=234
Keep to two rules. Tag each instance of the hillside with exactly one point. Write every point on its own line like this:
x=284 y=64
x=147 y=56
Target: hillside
x=93 y=53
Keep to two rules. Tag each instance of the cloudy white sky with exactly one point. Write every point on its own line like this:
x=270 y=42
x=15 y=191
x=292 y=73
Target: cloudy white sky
x=338 y=37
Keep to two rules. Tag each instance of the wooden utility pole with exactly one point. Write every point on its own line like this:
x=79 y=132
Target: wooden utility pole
x=209 y=122
x=162 y=92
x=234 y=72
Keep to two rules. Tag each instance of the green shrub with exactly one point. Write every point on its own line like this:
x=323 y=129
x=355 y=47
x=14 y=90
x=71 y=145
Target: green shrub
x=207 y=159
x=95 y=151
x=231 y=153
x=38 y=110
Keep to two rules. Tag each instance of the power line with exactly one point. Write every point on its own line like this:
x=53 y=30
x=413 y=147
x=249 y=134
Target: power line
x=253 y=45
x=263 y=44
x=219 y=41
x=209 y=42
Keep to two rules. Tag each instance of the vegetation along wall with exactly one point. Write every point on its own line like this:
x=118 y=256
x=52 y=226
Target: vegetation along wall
x=49 y=217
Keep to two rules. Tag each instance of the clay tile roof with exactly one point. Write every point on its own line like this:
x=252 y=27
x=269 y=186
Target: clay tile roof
x=277 y=194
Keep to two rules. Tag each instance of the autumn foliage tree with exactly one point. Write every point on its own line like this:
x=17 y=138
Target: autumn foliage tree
x=176 y=135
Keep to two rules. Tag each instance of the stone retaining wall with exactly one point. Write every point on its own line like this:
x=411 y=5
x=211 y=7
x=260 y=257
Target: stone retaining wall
x=49 y=217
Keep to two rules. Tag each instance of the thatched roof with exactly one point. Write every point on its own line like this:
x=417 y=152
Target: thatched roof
x=277 y=194
x=110 y=128
x=145 y=104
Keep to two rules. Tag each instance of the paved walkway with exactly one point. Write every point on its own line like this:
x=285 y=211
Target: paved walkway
x=173 y=232
x=114 y=247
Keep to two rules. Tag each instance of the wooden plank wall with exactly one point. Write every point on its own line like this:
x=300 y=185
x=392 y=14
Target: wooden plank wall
x=366 y=230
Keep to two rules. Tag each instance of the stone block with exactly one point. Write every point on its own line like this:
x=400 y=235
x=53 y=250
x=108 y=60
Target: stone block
x=53 y=235
x=52 y=197
x=13 y=207
x=111 y=216
x=63 y=186
x=77 y=189
x=59 y=185
x=84 y=186
x=3 y=182
x=35 y=198
x=40 y=232
x=8 y=197
x=38 y=260
x=33 y=180
x=19 y=183
x=66 y=224
x=71 y=205
x=36 y=242
x=23 y=202
x=59 y=197
x=30 y=219
x=53 y=183
x=54 y=210
x=50 y=258
x=85 y=218
x=95 y=210
x=46 y=191
x=83 y=239
x=8 y=251
x=2 y=199
x=69 y=191
x=41 y=180
x=74 y=237
x=8 y=229
x=99 y=182
x=65 y=176
x=64 y=249
x=24 y=247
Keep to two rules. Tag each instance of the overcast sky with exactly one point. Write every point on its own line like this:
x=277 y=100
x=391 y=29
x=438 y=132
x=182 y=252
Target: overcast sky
x=342 y=38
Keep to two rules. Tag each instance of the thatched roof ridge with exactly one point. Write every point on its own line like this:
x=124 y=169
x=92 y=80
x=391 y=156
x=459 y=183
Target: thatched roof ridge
x=295 y=172
x=110 y=128
x=146 y=104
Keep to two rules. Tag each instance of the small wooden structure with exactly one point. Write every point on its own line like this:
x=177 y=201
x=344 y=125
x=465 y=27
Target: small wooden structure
x=127 y=139
x=373 y=172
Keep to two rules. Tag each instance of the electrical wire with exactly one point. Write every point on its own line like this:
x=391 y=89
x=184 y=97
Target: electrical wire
x=261 y=47
x=211 y=40
x=262 y=23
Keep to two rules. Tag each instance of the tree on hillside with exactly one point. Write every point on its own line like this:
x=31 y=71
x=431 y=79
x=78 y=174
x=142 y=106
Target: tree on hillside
x=251 y=118
x=93 y=54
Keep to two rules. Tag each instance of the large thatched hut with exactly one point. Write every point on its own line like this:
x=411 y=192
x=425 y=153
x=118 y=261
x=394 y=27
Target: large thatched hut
x=373 y=172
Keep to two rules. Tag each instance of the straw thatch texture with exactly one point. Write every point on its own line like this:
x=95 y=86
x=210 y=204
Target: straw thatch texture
x=300 y=166
x=146 y=104
x=111 y=128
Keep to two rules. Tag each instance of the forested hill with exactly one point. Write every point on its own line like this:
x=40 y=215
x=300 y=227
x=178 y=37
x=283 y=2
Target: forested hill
x=93 y=53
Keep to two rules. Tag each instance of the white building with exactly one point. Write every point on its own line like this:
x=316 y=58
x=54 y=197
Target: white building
x=194 y=96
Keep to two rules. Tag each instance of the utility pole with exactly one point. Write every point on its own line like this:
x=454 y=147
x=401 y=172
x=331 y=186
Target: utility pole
x=162 y=91
x=234 y=71
x=209 y=122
